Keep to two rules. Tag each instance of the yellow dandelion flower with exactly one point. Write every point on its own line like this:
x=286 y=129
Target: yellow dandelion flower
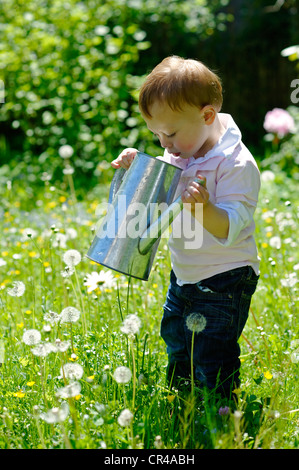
x=170 y=398
x=46 y=264
x=90 y=378
x=28 y=312
x=265 y=245
x=30 y=384
x=17 y=271
x=20 y=325
x=62 y=199
x=155 y=286
x=19 y=394
x=268 y=375
x=77 y=397
x=32 y=254
x=73 y=358
x=268 y=220
x=4 y=253
x=269 y=234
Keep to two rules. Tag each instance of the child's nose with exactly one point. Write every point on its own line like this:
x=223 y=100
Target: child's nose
x=165 y=143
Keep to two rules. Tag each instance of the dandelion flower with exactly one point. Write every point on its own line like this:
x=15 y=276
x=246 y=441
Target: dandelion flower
x=125 y=418
x=52 y=317
x=66 y=151
x=290 y=280
x=19 y=394
x=70 y=315
x=122 y=375
x=72 y=258
x=61 y=346
x=42 y=349
x=275 y=242
x=68 y=271
x=31 y=337
x=196 y=322
x=72 y=371
x=131 y=325
x=99 y=280
x=56 y=415
x=17 y=290
x=71 y=390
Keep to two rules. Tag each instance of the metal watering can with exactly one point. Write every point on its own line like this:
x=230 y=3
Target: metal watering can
x=128 y=243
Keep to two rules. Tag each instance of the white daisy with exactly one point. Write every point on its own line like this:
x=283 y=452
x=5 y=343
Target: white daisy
x=99 y=280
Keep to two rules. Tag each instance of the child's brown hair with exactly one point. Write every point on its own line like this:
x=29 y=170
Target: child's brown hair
x=179 y=81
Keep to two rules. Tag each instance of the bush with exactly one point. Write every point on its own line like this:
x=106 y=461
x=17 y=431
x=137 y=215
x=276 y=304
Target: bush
x=68 y=69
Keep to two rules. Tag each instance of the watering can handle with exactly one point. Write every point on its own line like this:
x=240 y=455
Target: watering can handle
x=155 y=230
x=115 y=183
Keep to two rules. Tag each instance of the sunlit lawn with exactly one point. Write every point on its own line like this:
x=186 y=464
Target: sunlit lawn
x=61 y=386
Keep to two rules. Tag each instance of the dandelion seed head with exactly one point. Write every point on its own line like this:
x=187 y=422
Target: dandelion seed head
x=17 y=290
x=66 y=151
x=71 y=390
x=56 y=415
x=42 y=349
x=72 y=371
x=131 y=325
x=52 y=317
x=125 y=418
x=61 y=346
x=122 y=375
x=31 y=337
x=70 y=315
x=68 y=271
x=196 y=322
x=72 y=258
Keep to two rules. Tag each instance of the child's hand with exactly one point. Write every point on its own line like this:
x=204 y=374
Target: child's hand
x=124 y=159
x=196 y=192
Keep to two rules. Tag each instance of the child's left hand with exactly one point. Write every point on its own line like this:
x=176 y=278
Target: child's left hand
x=196 y=192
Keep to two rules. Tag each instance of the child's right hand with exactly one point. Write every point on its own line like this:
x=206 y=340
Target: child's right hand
x=124 y=159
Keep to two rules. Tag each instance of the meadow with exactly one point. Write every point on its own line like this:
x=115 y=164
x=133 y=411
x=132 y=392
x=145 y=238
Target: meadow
x=82 y=362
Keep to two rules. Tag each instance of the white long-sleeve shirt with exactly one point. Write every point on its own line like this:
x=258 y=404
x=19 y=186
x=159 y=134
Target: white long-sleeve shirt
x=233 y=182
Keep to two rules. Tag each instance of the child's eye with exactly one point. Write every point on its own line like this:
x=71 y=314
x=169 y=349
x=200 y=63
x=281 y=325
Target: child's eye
x=172 y=135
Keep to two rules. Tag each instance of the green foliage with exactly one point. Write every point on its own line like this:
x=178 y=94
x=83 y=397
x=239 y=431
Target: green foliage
x=67 y=71
x=266 y=415
x=71 y=75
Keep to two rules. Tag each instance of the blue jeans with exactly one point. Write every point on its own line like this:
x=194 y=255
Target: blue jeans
x=221 y=305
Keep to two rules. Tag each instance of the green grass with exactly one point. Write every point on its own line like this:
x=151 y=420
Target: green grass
x=267 y=415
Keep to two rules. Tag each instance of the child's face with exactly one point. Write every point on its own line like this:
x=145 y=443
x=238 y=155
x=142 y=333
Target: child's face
x=182 y=133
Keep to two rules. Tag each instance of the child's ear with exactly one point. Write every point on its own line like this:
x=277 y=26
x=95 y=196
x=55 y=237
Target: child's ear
x=209 y=114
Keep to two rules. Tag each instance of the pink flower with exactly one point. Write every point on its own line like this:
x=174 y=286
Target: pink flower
x=279 y=122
